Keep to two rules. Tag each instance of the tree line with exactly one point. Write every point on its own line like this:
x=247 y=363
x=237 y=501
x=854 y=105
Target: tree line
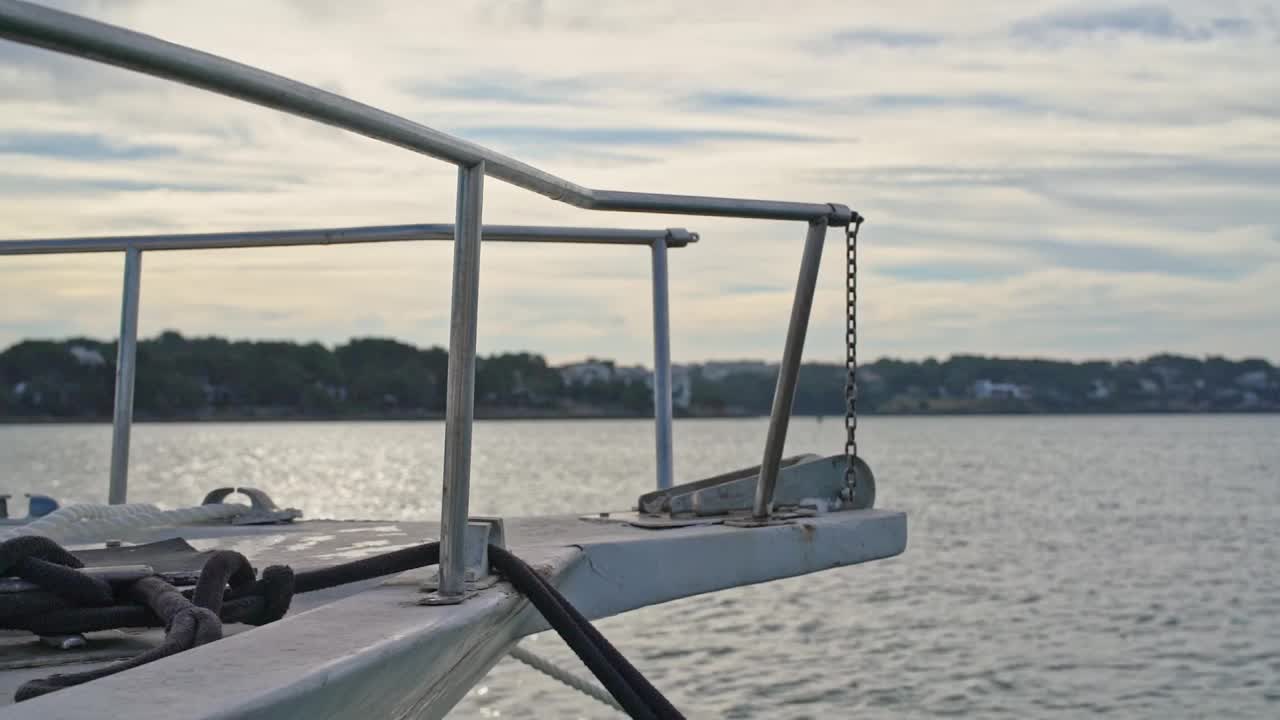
x=210 y=377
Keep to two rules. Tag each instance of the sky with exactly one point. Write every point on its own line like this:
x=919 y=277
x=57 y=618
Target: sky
x=1068 y=180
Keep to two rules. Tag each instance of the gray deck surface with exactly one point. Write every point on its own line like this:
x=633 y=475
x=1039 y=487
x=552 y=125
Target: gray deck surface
x=370 y=649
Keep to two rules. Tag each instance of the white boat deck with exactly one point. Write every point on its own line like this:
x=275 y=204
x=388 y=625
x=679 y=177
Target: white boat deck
x=371 y=649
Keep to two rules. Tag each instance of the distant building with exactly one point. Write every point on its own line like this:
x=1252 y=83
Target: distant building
x=87 y=356
x=717 y=371
x=681 y=386
x=869 y=377
x=587 y=373
x=595 y=371
x=988 y=390
x=24 y=390
x=1147 y=386
x=218 y=394
x=635 y=373
x=1099 y=390
x=1256 y=379
x=1168 y=375
x=335 y=392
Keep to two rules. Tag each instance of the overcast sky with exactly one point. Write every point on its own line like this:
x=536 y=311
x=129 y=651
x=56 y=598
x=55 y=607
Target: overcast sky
x=1040 y=178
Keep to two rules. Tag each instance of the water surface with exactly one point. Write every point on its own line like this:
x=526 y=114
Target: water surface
x=1056 y=567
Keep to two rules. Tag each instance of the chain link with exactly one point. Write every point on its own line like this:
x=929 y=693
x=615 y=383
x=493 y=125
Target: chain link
x=851 y=353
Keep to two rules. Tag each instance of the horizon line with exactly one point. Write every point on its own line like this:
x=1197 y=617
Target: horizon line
x=594 y=357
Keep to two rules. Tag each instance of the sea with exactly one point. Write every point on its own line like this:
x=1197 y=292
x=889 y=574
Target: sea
x=1057 y=567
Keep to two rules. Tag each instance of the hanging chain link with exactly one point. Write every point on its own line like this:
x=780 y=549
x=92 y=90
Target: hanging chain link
x=851 y=356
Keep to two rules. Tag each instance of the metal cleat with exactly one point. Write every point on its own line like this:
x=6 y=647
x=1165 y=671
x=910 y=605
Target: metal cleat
x=262 y=510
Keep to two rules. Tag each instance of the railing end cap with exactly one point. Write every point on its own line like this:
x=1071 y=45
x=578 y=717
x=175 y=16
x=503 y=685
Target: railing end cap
x=841 y=215
x=679 y=237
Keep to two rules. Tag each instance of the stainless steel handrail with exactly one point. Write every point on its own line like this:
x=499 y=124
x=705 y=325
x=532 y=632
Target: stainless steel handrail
x=672 y=237
x=74 y=35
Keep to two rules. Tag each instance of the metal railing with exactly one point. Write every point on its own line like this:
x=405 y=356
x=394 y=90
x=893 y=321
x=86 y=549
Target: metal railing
x=74 y=35
x=132 y=246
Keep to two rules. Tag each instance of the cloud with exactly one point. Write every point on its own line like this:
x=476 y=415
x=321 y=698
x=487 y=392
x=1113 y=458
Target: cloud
x=956 y=272
x=621 y=135
x=752 y=289
x=84 y=147
x=887 y=38
x=1148 y=21
x=16 y=184
x=989 y=101
x=742 y=100
x=1120 y=258
x=510 y=88
x=1080 y=182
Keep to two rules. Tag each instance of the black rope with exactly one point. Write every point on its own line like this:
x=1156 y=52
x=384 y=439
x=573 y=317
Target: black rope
x=529 y=583
x=187 y=624
x=650 y=694
x=44 y=562
x=565 y=619
x=72 y=602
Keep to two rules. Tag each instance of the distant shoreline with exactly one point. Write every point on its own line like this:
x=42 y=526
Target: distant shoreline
x=212 y=379
x=482 y=416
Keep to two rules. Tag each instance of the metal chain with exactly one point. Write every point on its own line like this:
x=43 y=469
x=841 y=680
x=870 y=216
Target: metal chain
x=851 y=356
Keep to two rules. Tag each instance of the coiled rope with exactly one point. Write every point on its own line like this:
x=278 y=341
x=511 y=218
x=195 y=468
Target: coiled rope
x=70 y=601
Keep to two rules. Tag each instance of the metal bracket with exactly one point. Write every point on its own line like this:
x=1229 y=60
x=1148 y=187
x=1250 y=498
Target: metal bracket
x=804 y=480
x=73 y=641
x=481 y=533
x=807 y=484
x=678 y=500
x=112 y=574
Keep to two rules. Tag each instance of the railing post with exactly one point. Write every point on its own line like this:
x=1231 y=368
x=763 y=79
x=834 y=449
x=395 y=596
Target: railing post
x=789 y=370
x=661 y=367
x=126 y=366
x=460 y=397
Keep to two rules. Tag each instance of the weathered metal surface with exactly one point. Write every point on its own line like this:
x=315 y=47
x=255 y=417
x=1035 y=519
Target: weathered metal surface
x=803 y=482
x=816 y=484
x=371 y=651
x=738 y=518
x=659 y=501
